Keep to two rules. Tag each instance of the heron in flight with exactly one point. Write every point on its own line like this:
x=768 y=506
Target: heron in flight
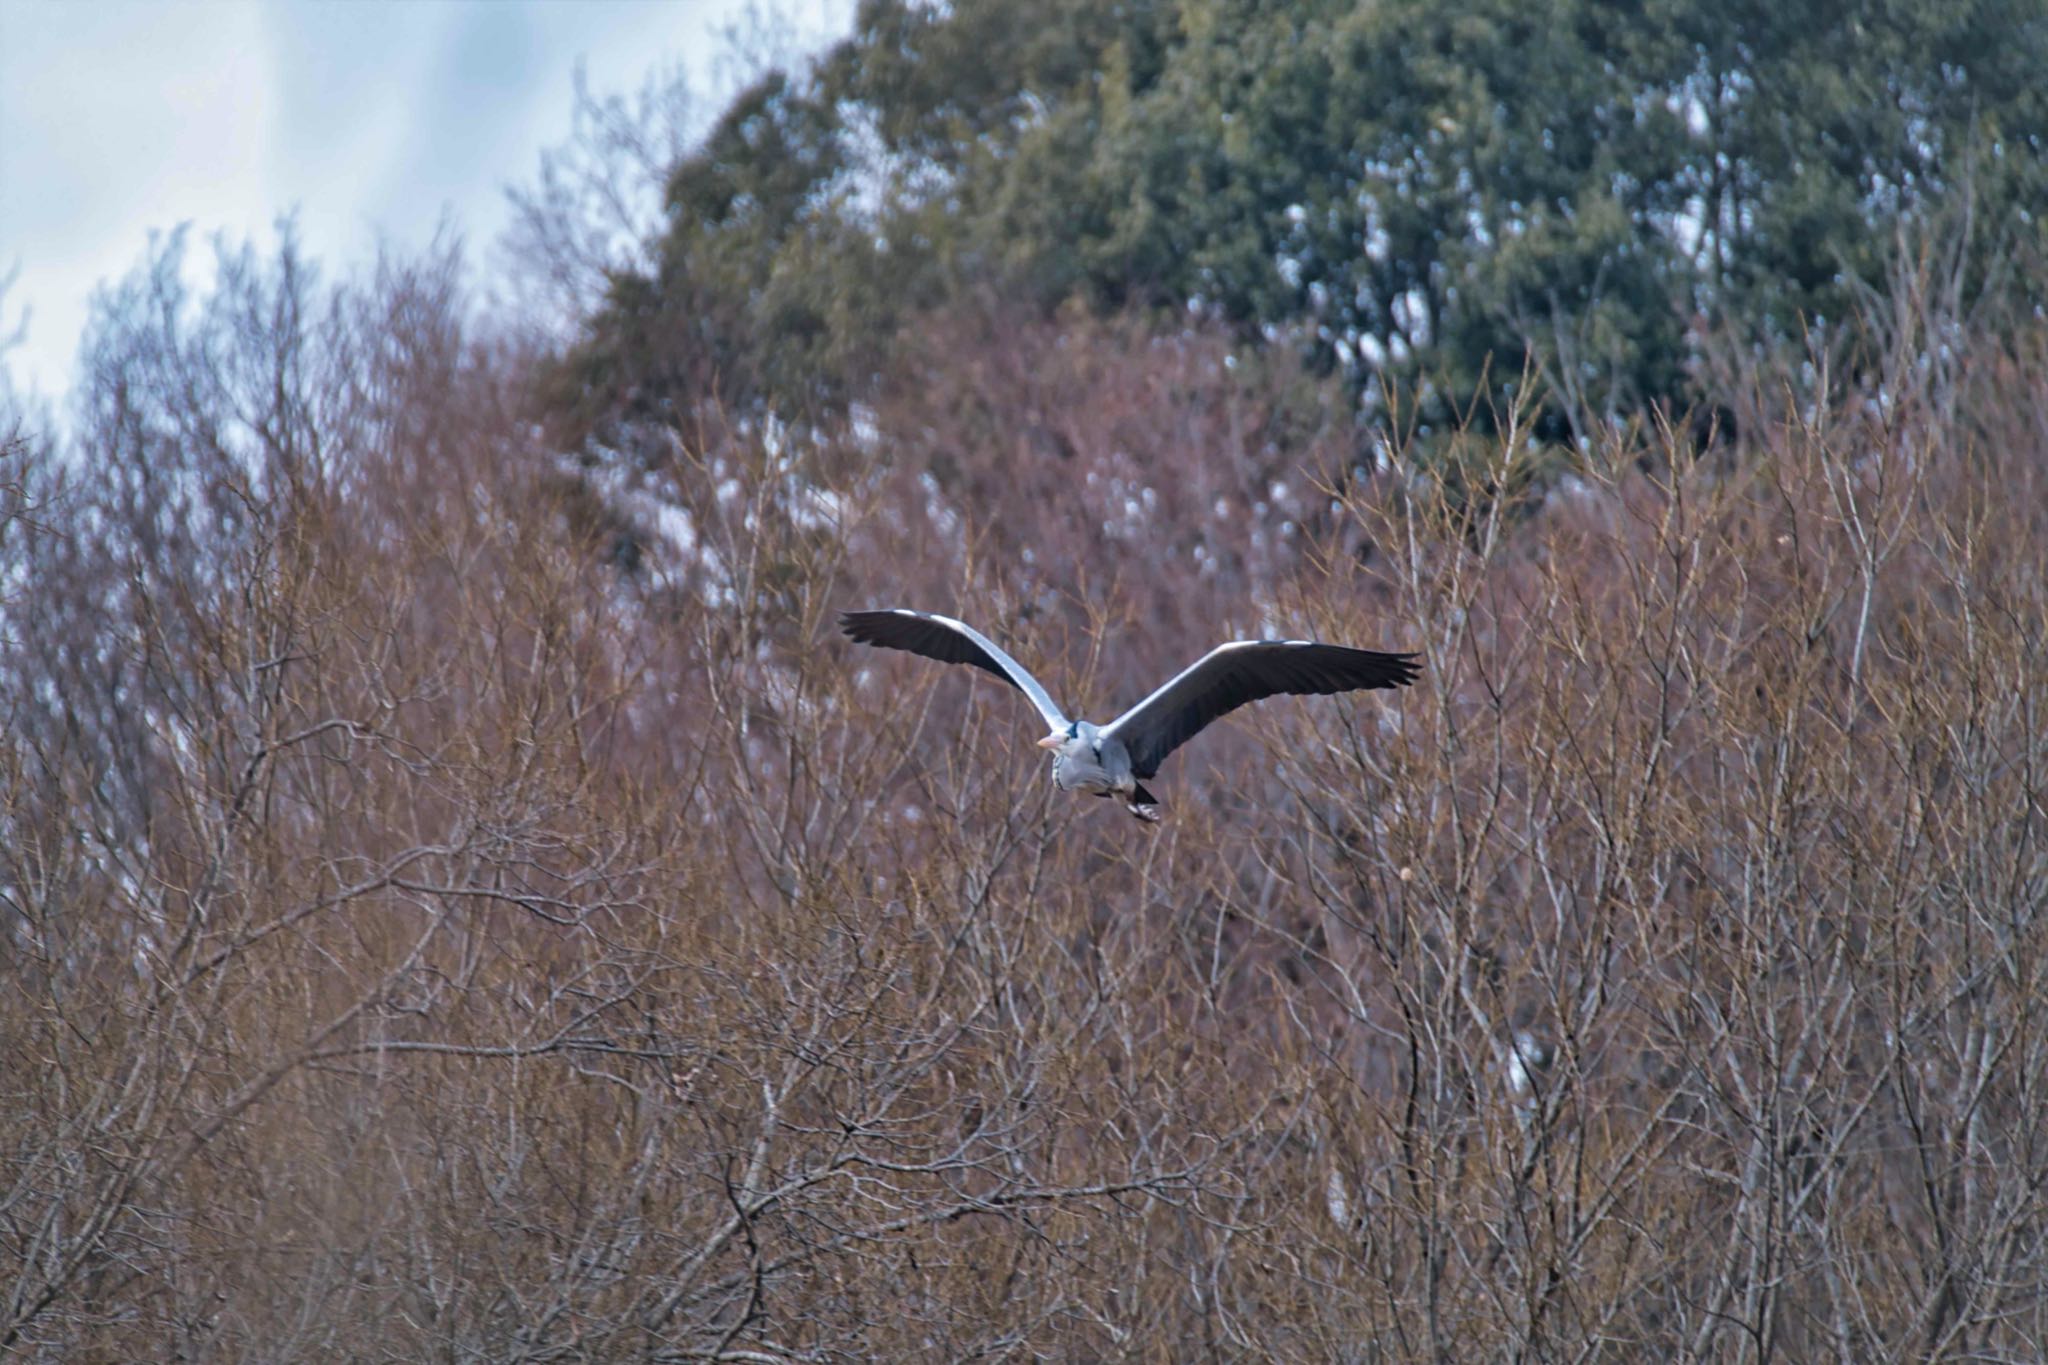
x=1114 y=759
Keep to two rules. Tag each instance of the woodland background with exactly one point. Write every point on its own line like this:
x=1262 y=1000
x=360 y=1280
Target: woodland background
x=461 y=900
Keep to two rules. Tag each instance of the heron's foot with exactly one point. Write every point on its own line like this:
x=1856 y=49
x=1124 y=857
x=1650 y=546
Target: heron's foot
x=1144 y=805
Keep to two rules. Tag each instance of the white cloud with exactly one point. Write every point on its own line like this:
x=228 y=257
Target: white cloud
x=368 y=118
x=115 y=117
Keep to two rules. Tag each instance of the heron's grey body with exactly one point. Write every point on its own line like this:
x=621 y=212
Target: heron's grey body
x=1094 y=761
x=1114 y=759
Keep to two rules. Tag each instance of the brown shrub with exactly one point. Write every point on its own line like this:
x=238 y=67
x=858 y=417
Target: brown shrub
x=448 y=916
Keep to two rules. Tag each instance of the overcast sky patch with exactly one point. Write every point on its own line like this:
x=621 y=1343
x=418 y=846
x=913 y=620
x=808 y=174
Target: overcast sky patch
x=368 y=119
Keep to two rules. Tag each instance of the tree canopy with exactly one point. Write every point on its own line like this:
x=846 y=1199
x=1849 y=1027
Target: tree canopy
x=1413 y=192
x=462 y=899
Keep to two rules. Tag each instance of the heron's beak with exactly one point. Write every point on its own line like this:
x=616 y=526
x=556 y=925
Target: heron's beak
x=1052 y=741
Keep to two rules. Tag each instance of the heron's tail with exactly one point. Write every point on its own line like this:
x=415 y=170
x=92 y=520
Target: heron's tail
x=1144 y=805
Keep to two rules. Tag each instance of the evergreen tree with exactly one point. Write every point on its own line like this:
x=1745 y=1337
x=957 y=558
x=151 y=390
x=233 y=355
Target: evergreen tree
x=1419 y=193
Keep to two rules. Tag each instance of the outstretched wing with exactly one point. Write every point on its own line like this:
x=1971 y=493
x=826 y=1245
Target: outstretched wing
x=1243 y=671
x=951 y=642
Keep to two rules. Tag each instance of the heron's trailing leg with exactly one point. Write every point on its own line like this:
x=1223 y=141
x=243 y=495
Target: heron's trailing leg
x=1143 y=805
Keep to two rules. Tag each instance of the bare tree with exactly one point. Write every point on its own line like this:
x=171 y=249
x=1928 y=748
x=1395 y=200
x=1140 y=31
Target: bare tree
x=463 y=900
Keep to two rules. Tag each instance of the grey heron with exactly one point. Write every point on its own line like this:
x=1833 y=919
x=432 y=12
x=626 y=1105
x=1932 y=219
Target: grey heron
x=1114 y=759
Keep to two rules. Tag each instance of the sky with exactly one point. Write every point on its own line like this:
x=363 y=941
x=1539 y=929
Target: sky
x=371 y=120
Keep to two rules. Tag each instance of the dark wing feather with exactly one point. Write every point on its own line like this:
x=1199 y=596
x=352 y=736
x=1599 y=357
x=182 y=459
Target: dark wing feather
x=1231 y=675
x=950 y=642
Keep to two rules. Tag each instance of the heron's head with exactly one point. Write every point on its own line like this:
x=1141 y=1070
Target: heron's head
x=1060 y=739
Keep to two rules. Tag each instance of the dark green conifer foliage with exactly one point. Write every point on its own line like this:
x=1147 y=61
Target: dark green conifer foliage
x=1427 y=195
